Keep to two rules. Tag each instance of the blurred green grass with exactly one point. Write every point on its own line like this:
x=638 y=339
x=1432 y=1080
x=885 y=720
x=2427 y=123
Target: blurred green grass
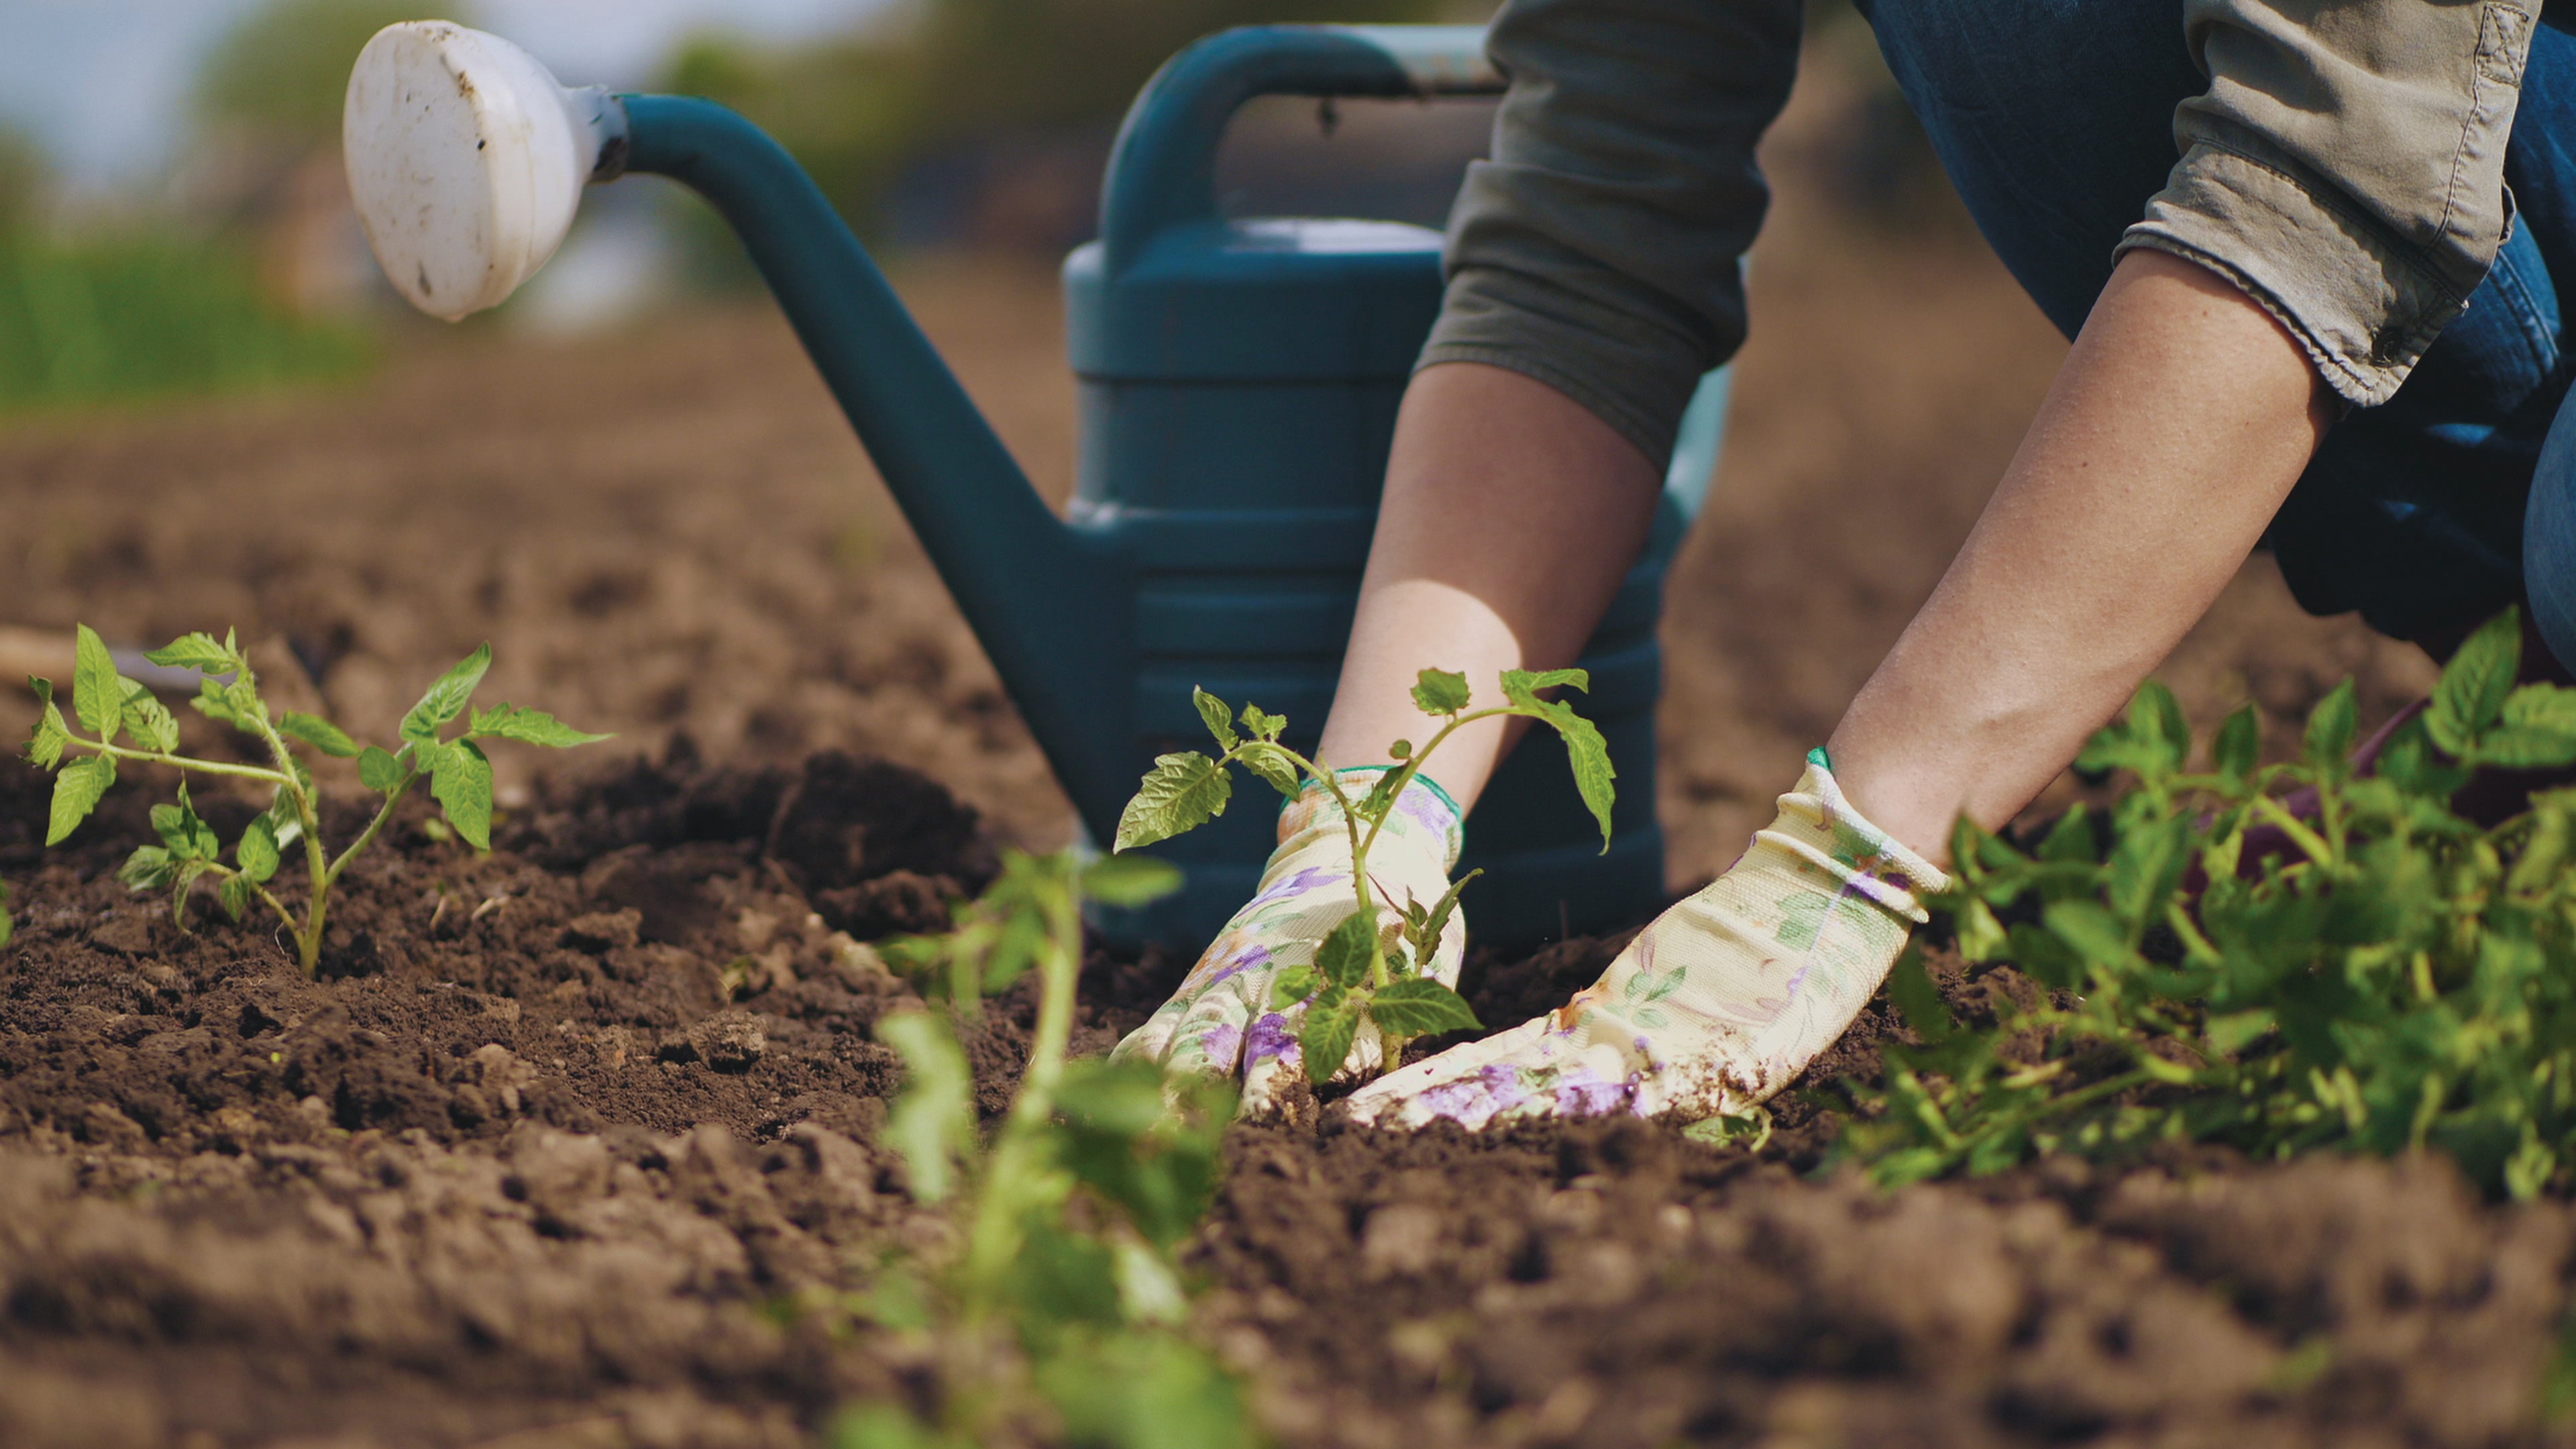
x=113 y=318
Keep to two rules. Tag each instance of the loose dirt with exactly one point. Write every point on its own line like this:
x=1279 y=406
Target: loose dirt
x=567 y=1142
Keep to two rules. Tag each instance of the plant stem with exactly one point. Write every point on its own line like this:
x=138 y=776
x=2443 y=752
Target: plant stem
x=374 y=827
x=179 y=762
x=994 y=1238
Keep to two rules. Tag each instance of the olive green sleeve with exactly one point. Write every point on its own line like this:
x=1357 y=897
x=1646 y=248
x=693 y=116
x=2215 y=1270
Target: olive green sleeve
x=1598 y=251
x=2346 y=168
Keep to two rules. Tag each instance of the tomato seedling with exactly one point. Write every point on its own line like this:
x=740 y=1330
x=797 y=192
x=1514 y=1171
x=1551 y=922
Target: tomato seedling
x=107 y=705
x=1360 y=972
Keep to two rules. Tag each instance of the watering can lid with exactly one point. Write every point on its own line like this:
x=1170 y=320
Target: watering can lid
x=1286 y=299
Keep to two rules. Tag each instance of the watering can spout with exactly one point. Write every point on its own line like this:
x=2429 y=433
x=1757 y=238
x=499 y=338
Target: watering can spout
x=1043 y=601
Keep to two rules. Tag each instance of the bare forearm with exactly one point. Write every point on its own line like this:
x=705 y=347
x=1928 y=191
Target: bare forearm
x=1511 y=513
x=2178 y=424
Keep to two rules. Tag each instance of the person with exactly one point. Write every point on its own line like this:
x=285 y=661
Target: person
x=2305 y=251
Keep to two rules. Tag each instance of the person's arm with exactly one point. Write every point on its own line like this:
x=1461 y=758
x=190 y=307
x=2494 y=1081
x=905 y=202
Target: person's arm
x=2169 y=439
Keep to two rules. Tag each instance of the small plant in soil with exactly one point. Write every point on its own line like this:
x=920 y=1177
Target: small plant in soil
x=107 y=706
x=1054 y=1313
x=2378 y=976
x=1361 y=972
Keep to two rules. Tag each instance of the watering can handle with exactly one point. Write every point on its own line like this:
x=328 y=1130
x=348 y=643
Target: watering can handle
x=1163 y=173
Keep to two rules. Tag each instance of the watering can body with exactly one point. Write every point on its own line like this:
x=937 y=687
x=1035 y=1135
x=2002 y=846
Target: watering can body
x=1239 y=381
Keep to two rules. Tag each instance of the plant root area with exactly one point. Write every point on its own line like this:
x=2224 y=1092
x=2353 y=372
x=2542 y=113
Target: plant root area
x=578 y=1144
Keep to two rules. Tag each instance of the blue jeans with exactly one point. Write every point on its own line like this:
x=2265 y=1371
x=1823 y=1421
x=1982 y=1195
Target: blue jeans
x=2054 y=119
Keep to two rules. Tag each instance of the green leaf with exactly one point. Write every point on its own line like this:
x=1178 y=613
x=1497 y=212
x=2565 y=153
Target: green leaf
x=1130 y=881
x=1292 y=986
x=184 y=879
x=320 y=733
x=214 y=701
x=1342 y=957
x=1273 y=765
x=2537 y=730
x=98 y=693
x=2331 y=727
x=149 y=868
x=196 y=651
x=234 y=895
x=933 y=1121
x=1263 y=726
x=45 y=746
x=1181 y=792
x=2240 y=744
x=256 y=852
x=77 y=790
x=1424 y=931
x=8 y=927
x=2475 y=684
x=1218 y=718
x=1585 y=750
x=379 y=771
x=1439 y=692
x=463 y=789
x=149 y=721
x=1420 y=1007
x=448 y=697
x=186 y=836
x=531 y=727
x=1332 y=1021
x=1911 y=990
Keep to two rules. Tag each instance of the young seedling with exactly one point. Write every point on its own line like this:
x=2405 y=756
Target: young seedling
x=1068 y=1217
x=1361 y=973
x=107 y=705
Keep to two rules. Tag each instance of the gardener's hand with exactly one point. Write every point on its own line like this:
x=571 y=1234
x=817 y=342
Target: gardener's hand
x=1714 y=1007
x=1222 y=1021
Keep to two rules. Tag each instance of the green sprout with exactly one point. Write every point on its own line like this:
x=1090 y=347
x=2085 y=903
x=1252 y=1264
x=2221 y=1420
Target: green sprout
x=106 y=705
x=1059 y=1297
x=1361 y=973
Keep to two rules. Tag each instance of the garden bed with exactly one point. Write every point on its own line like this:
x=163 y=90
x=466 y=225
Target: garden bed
x=574 y=1141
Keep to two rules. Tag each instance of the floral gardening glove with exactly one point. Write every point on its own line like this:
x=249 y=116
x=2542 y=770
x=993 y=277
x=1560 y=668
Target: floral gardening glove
x=1714 y=1007
x=1222 y=1019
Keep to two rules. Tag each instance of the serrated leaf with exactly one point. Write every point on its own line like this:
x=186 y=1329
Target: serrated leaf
x=256 y=852
x=463 y=788
x=531 y=727
x=1420 y=1007
x=320 y=733
x=8 y=927
x=1424 y=928
x=45 y=746
x=2159 y=716
x=1325 y=1038
x=1589 y=756
x=1291 y=987
x=1181 y=792
x=1219 y=719
x=2476 y=683
x=215 y=703
x=1263 y=726
x=1911 y=991
x=195 y=651
x=77 y=790
x=448 y=697
x=149 y=868
x=1130 y=881
x=2240 y=744
x=184 y=879
x=1439 y=692
x=2537 y=729
x=379 y=771
x=98 y=693
x=150 y=721
x=234 y=895
x=185 y=835
x=1342 y=957
x=933 y=1121
x=2331 y=728
x=1273 y=765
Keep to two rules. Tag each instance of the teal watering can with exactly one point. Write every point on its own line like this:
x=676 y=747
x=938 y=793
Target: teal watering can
x=1239 y=381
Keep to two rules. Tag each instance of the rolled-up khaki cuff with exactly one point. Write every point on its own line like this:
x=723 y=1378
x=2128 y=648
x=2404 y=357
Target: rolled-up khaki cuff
x=1635 y=375
x=2363 y=305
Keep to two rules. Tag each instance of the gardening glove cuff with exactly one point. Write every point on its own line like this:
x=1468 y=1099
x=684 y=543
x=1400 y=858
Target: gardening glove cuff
x=1222 y=1020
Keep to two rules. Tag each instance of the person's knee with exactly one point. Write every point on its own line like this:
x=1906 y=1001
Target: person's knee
x=2549 y=539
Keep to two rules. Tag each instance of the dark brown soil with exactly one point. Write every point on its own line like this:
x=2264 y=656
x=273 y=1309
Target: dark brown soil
x=568 y=1142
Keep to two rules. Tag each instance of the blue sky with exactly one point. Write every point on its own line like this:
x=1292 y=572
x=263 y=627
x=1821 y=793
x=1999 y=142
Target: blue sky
x=102 y=84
